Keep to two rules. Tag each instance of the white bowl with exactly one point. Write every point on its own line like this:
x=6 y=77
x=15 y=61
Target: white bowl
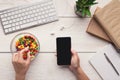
x=13 y=42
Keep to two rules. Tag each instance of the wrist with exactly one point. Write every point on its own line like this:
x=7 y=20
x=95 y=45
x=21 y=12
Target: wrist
x=79 y=71
x=81 y=75
x=20 y=77
x=75 y=70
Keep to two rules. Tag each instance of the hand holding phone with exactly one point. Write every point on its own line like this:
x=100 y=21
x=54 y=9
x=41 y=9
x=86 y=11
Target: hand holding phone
x=63 y=50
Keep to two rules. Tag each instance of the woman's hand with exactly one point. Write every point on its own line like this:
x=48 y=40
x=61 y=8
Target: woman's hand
x=75 y=67
x=21 y=65
x=75 y=62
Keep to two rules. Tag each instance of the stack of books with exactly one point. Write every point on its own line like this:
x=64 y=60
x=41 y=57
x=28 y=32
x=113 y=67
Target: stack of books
x=105 y=23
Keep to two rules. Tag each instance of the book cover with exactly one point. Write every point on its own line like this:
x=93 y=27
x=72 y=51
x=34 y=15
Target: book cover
x=95 y=29
x=109 y=18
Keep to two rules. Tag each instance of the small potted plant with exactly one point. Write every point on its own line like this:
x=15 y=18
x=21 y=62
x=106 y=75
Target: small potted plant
x=82 y=7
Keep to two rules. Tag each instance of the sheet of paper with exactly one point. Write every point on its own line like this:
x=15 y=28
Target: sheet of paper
x=102 y=66
x=114 y=57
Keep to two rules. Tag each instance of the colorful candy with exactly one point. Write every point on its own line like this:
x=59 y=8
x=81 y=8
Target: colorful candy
x=27 y=41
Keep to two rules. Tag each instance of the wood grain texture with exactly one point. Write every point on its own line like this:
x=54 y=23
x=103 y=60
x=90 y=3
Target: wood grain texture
x=44 y=67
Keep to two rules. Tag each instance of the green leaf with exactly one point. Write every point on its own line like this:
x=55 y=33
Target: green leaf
x=83 y=12
x=84 y=1
x=88 y=12
x=77 y=7
x=79 y=0
x=89 y=4
x=91 y=1
x=95 y=3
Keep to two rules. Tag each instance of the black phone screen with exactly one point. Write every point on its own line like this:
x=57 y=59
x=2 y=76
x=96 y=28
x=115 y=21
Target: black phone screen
x=63 y=50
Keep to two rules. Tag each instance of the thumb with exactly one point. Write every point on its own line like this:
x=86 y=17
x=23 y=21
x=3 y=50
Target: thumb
x=28 y=57
x=73 y=52
x=71 y=68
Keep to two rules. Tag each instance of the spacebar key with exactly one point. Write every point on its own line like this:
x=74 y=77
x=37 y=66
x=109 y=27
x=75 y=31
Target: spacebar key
x=29 y=24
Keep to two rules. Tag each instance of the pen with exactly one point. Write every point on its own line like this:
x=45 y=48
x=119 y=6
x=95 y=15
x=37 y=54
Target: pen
x=111 y=64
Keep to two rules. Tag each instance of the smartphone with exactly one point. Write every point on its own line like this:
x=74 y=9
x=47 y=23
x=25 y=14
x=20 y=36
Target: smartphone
x=63 y=50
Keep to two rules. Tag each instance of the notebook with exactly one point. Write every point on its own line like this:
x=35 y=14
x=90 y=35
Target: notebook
x=109 y=18
x=103 y=67
x=95 y=29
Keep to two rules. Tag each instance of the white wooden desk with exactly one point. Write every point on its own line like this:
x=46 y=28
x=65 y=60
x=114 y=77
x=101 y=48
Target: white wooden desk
x=44 y=67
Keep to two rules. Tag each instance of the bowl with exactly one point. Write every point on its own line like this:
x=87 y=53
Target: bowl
x=23 y=40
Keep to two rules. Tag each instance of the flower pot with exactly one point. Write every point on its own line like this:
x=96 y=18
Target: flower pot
x=79 y=13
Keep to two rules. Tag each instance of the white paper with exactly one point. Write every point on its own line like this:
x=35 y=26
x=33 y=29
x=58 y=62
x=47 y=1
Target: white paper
x=103 y=67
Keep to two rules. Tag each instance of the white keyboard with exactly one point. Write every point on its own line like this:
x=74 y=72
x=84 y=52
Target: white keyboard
x=31 y=15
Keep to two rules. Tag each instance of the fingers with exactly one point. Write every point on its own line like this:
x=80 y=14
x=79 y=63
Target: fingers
x=15 y=57
x=20 y=54
x=73 y=52
x=23 y=51
x=28 y=58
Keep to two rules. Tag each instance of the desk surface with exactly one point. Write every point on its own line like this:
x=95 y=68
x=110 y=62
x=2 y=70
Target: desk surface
x=45 y=63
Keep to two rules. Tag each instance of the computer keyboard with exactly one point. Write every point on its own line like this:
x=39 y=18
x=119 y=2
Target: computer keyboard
x=27 y=16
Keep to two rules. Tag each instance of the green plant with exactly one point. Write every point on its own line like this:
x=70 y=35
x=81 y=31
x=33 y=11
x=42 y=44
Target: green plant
x=83 y=6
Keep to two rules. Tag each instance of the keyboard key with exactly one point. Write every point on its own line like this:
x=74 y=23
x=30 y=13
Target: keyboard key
x=13 y=24
x=28 y=24
x=40 y=21
x=17 y=27
x=4 y=19
x=6 y=30
x=24 y=21
x=6 y=22
x=10 y=21
x=44 y=20
x=2 y=16
x=13 y=28
x=10 y=29
x=28 y=20
x=5 y=15
x=20 y=22
x=17 y=23
x=8 y=18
